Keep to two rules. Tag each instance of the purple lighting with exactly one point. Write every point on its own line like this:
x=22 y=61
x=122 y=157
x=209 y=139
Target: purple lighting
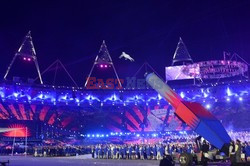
x=103 y=66
x=26 y=59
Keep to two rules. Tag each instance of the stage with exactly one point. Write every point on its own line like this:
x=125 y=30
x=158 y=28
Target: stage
x=79 y=161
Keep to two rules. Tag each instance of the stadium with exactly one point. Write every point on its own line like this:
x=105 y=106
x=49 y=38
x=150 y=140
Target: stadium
x=128 y=112
x=124 y=111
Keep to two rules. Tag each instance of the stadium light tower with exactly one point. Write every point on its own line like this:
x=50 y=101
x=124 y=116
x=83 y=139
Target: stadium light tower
x=182 y=57
x=103 y=60
x=27 y=53
x=181 y=54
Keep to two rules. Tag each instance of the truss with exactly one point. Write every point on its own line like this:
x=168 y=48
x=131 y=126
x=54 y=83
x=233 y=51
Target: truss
x=103 y=58
x=26 y=50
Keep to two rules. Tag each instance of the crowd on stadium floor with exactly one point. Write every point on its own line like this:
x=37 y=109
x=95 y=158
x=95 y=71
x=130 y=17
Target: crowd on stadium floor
x=140 y=151
x=155 y=151
x=176 y=144
x=47 y=151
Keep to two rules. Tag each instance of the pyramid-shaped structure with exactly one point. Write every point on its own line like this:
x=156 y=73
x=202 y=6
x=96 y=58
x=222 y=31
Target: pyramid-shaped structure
x=27 y=52
x=181 y=53
x=27 y=48
x=103 y=60
x=103 y=56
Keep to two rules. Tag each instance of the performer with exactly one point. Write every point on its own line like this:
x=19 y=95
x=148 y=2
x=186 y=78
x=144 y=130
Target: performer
x=109 y=152
x=155 y=152
x=137 y=152
x=238 y=150
x=247 y=150
x=148 y=152
x=161 y=151
x=141 y=153
x=113 y=152
x=204 y=149
x=105 y=152
x=130 y=152
x=158 y=157
x=166 y=150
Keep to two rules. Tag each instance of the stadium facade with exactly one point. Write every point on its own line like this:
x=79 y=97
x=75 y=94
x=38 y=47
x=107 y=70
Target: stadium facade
x=61 y=111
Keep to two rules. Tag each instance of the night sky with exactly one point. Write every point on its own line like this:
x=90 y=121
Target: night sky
x=72 y=31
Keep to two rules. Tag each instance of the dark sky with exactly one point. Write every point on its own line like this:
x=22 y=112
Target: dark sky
x=73 y=30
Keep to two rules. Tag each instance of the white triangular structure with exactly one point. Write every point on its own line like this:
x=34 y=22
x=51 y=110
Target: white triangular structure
x=27 y=52
x=181 y=53
x=103 y=58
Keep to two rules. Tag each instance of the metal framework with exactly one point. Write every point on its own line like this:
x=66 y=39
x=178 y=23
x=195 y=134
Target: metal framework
x=243 y=66
x=103 y=57
x=58 y=63
x=146 y=65
x=181 y=54
x=26 y=50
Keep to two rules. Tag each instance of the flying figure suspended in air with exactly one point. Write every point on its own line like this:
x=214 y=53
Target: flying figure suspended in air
x=126 y=56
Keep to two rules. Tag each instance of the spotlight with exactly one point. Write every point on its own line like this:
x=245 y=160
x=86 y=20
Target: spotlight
x=240 y=98
x=208 y=106
x=15 y=94
x=205 y=95
x=24 y=58
x=29 y=59
x=101 y=66
x=137 y=135
x=228 y=99
x=105 y=66
x=229 y=93
x=182 y=95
